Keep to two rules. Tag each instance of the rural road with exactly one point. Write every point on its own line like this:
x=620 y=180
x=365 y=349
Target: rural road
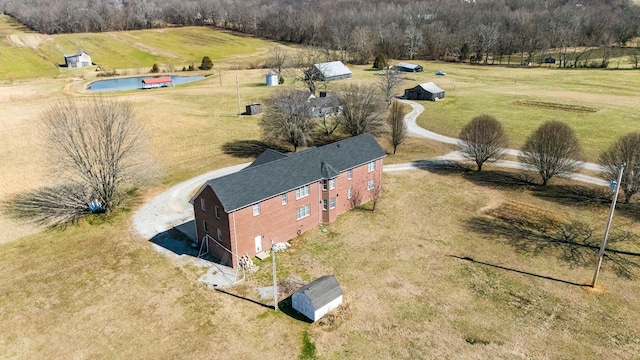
x=172 y=208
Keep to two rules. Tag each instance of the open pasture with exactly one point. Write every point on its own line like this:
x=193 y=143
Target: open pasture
x=438 y=271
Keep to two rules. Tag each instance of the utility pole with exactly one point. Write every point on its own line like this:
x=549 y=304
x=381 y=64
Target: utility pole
x=606 y=231
x=275 y=282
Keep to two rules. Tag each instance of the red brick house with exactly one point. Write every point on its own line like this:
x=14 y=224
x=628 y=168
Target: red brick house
x=278 y=196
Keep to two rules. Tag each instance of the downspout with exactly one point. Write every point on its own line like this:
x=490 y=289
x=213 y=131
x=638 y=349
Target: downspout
x=235 y=237
x=319 y=203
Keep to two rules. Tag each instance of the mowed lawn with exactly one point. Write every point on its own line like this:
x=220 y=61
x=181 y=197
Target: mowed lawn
x=600 y=105
x=410 y=291
x=96 y=289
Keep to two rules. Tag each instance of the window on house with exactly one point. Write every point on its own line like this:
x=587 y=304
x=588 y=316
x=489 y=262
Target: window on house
x=217 y=212
x=202 y=204
x=332 y=203
x=219 y=234
x=372 y=166
x=204 y=225
x=324 y=185
x=256 y=209
x=349 y=193
x=371 y=184
x=350 y=174
x=303 y=212
x=284 y=199
x=302 y=192
x=332 y=184
x=324 y=204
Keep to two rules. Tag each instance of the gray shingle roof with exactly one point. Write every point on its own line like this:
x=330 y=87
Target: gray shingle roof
x=267 y=156
x=260 y=182
x=321 y=291
x=408 y=65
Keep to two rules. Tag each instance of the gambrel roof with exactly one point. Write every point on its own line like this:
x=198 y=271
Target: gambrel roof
x=321 y=291
x=271 y=174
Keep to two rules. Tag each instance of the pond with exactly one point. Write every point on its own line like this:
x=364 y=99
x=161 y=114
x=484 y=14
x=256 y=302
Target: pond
x=133 y=83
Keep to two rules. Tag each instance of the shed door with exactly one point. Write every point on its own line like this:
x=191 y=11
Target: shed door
x=258 y=243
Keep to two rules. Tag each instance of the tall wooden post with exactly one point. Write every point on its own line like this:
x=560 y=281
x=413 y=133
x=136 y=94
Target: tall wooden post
x=606 y=231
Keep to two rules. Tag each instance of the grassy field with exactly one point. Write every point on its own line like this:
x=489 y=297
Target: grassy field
x=600 y=105
x=445 y=268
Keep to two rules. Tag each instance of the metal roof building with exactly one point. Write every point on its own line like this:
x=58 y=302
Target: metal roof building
x=334 y=70
x=317 y=298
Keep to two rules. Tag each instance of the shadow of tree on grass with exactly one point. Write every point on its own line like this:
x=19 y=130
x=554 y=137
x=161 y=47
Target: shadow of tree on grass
x=52 y=206
x=249 y=148
x=490 y=178
x=572 y=242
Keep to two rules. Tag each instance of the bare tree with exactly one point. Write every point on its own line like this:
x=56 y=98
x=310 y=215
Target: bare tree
x=305 y=70
x=278 y=57
x=390 y=83
x=287 y=117
x=361 y=110
x=626 y=149
x=553 y=149
x=94 y=142
x=397 y=126
x=483 y=139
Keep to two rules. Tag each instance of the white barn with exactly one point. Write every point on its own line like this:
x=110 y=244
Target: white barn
x=334 y=70
x=317 y=298
x=80 y=59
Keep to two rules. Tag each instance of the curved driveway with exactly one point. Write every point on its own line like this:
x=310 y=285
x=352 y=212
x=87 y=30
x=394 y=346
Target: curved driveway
x=172 y=208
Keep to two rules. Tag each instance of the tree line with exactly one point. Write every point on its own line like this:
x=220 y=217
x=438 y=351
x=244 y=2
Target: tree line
x=509 y=31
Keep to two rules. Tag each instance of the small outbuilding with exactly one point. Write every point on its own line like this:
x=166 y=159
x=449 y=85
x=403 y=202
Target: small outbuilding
x=406 y=67
x=272 y=78
x=425 y=91
x=334 y=70
x=80 y=59
x=252 y=109
x=317 y=298
x=156 y=82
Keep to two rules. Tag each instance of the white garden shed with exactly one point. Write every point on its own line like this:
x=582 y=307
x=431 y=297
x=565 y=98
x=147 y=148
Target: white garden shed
x=317 y=298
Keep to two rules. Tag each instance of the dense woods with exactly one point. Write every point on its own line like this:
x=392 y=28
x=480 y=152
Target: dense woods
x=358 y=31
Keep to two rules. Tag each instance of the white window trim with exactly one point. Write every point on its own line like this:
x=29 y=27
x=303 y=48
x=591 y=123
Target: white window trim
x=306 y=211
x=324 y=185
x=350 y=174
x=324 y=205
x=371 y=184
x=256 y=209
x=284 y=199
x=217 y=209
x=332 y=184
x=205 y=227
x=349 y=192
x=219 y=233
x=372 y=166
x=332 y=203
x=302 y=192
x=202 y=205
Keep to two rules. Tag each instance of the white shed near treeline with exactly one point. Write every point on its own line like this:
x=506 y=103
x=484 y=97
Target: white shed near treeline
x=272 y=78
x=317 y=298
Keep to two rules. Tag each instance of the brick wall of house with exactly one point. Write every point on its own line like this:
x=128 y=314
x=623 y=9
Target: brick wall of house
x=217 y=249
x=275 y=222
x=278 y=222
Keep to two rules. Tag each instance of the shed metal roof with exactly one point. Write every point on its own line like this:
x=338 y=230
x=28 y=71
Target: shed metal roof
x=158 y=80
x=278 y=175
x=408 y=65
x=321 y=291
x=431 y=87
x=333 y=68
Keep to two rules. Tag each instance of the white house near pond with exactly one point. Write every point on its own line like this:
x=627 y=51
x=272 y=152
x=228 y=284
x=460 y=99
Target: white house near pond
x=80 y=59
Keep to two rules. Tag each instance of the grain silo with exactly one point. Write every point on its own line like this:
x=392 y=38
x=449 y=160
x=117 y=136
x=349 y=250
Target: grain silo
x=272 y=78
